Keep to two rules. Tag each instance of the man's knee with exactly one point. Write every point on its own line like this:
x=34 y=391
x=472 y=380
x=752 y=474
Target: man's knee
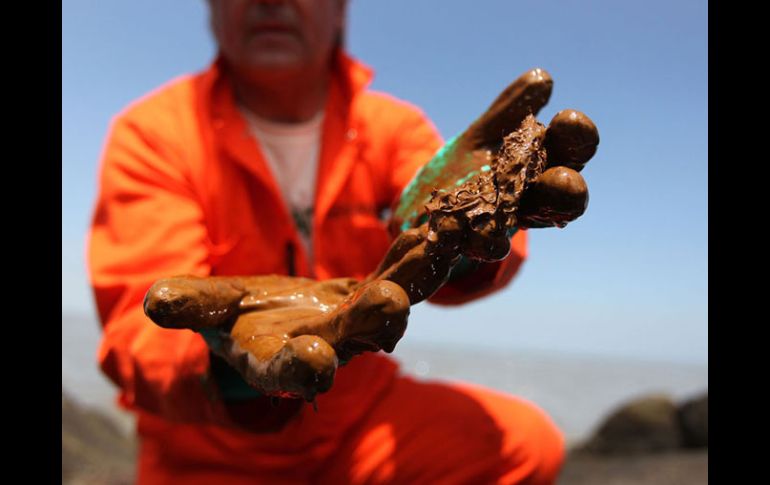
x=533 y=447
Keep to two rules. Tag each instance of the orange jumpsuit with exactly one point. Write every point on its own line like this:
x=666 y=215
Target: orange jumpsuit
x=184 y=189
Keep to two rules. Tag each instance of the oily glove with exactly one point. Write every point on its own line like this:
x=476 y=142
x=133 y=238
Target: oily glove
x=569 y=142
x=504 y=172
x=286 y=336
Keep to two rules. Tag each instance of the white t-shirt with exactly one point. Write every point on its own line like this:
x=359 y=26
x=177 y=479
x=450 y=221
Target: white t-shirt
x=292 y=151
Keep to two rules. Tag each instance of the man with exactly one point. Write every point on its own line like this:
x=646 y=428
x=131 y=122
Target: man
x=278 y=160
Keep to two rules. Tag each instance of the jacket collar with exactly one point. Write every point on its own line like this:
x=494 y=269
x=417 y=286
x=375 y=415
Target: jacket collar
x=354 y=76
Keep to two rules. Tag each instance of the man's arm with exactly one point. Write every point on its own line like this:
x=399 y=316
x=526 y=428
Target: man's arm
x=147 y=224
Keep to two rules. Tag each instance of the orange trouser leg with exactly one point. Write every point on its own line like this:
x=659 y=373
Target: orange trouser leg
x=410 y=433
x=448 y=434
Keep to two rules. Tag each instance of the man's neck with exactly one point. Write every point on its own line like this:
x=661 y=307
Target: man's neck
x=287 y=99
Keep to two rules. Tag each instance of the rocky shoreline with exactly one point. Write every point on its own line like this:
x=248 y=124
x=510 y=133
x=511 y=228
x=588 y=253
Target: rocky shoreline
x=649 y=440
x=679 y=467
x=94 y=450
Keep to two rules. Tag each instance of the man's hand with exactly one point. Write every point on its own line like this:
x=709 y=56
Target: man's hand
x=569 y=141
x=286 y=336
x=505 y=172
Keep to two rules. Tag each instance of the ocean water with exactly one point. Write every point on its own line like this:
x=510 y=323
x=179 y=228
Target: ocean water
x=577 y=391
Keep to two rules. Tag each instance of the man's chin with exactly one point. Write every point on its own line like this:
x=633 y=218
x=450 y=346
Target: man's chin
x=270 y=63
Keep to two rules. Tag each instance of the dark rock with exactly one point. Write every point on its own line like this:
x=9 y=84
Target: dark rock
x=648 y=424
x=694 y=421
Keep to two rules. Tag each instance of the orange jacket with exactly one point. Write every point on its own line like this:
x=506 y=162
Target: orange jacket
x=184 y=189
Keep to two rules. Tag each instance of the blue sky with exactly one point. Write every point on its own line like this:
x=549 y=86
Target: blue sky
x=629 y=278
